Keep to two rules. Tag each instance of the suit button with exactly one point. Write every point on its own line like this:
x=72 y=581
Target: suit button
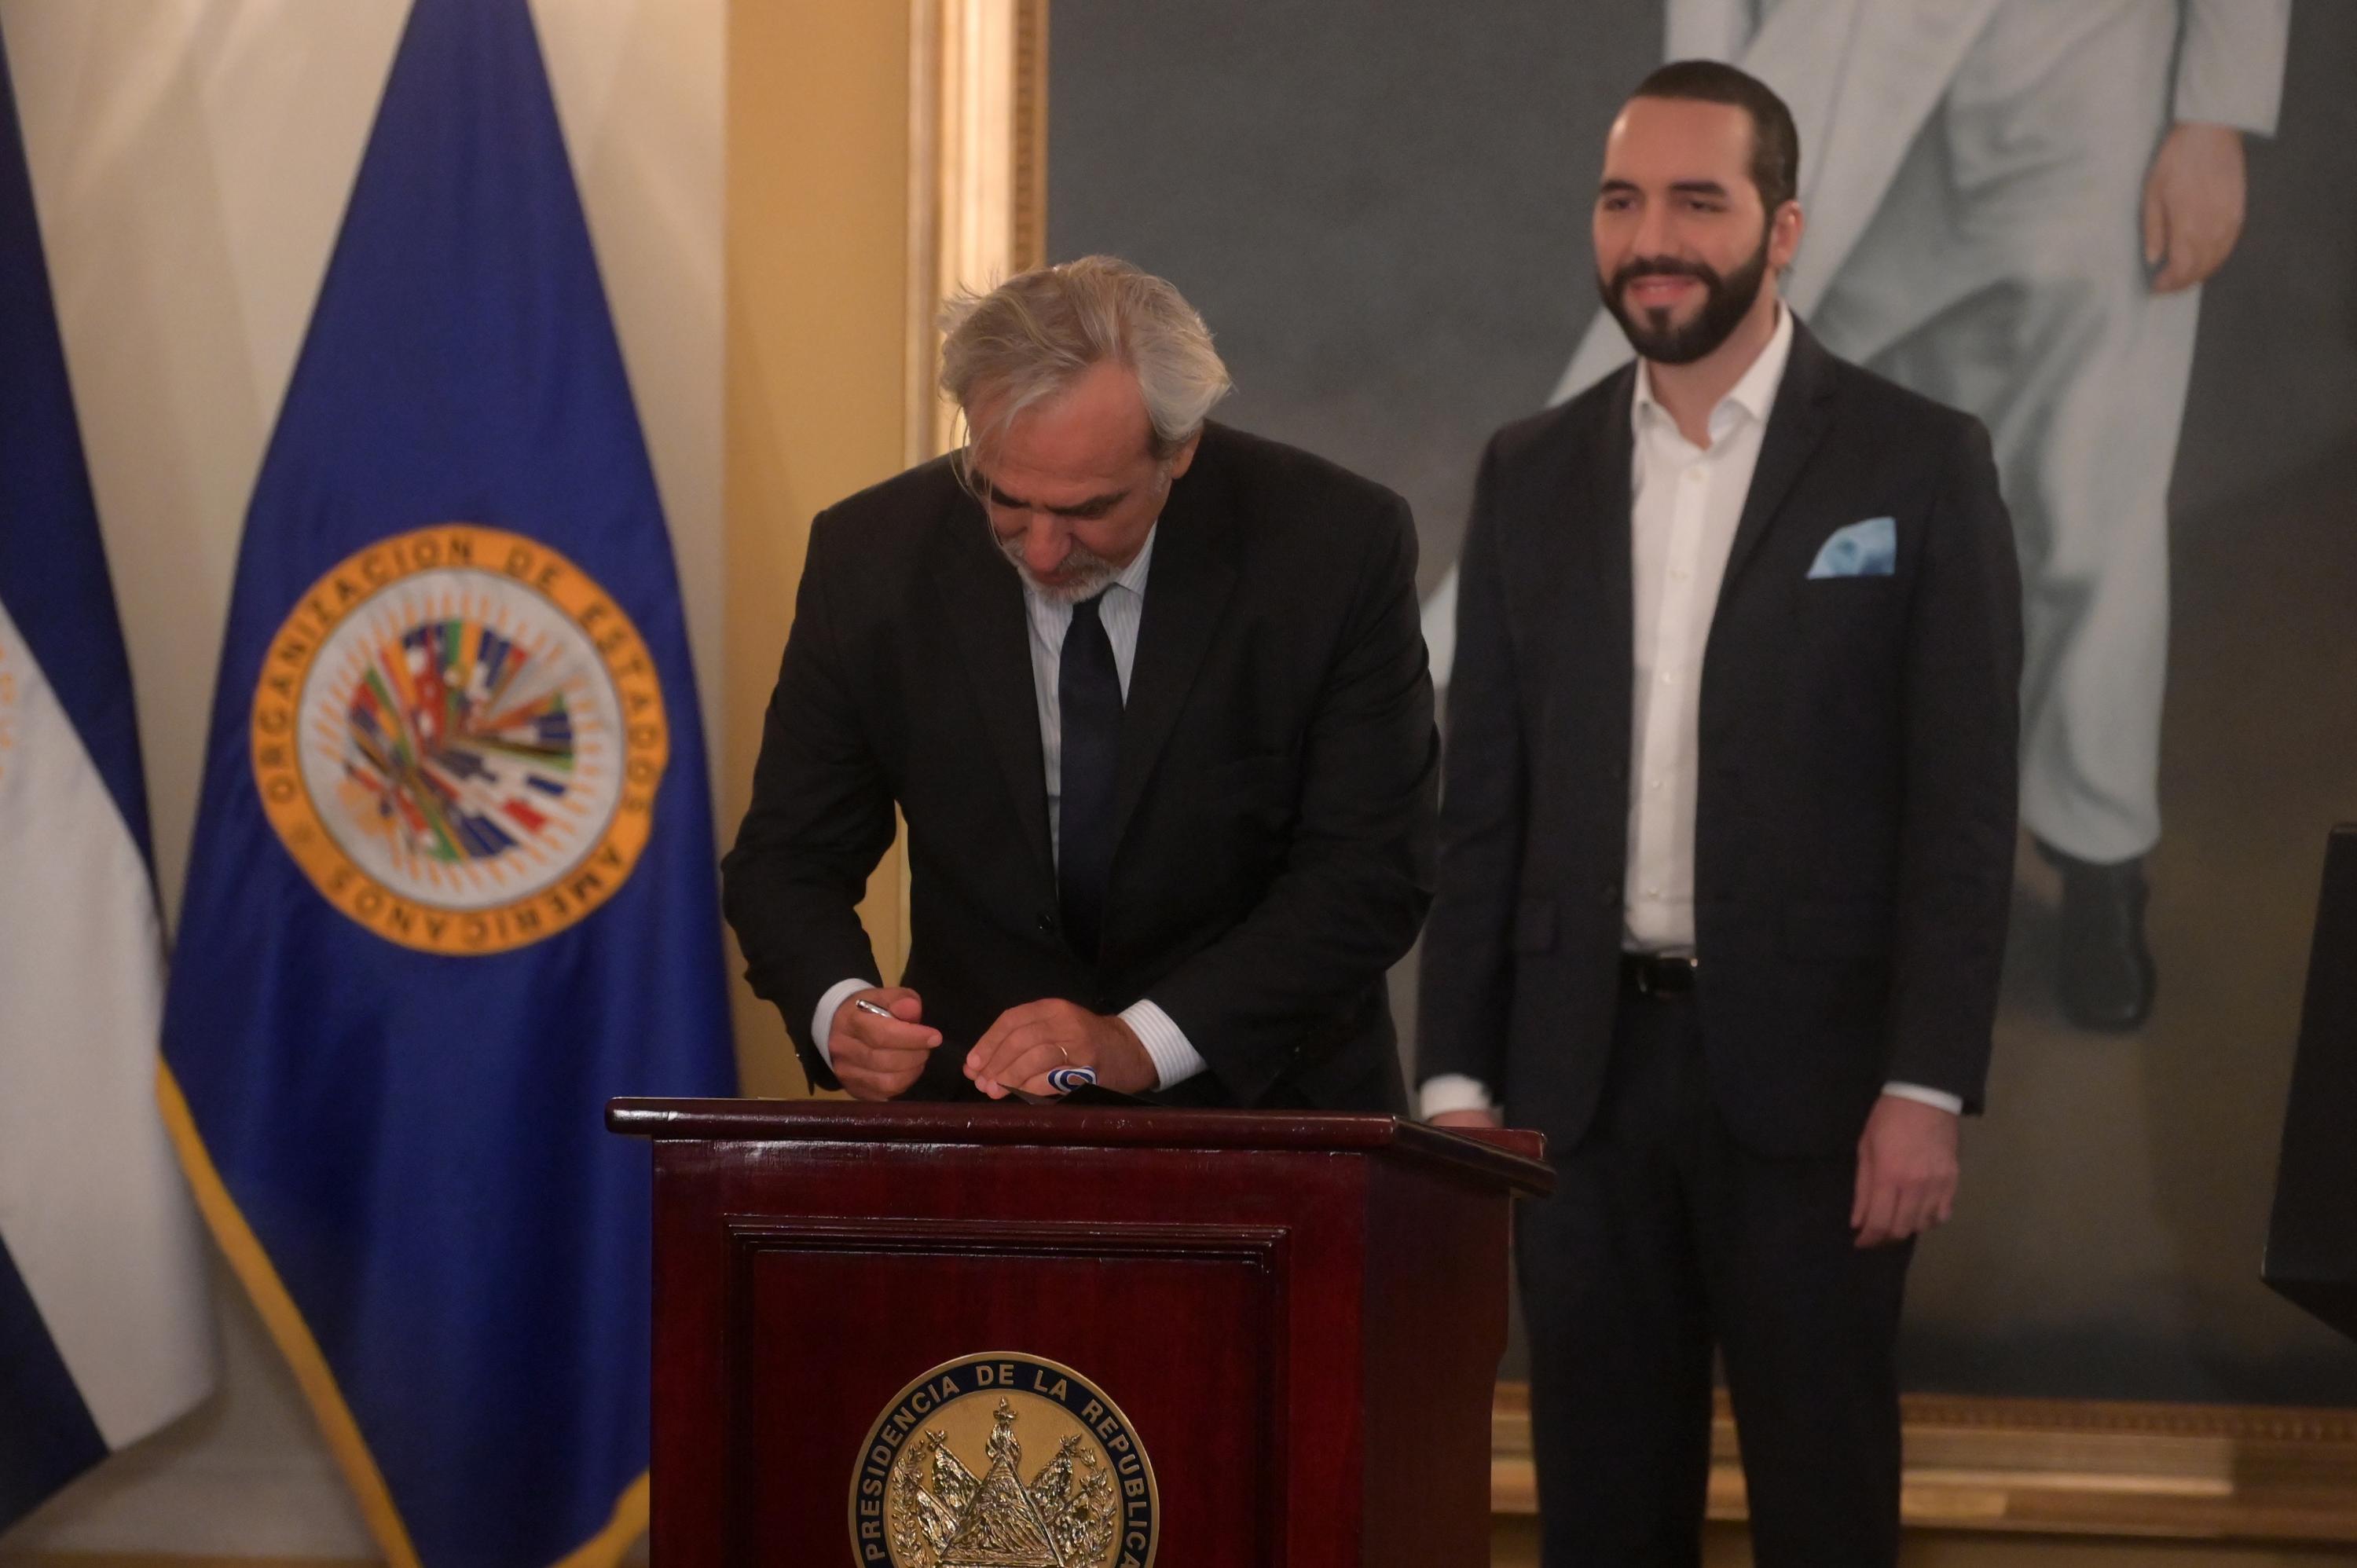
x=1619 y=773
x=1047 y=923
x=1609 y=895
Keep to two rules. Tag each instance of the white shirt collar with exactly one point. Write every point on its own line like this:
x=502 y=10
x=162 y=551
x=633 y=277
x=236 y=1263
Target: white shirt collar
x=1753 y=397
x=1133 y=576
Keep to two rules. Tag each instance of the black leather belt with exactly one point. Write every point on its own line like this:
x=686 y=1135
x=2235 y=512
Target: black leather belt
x=1657 y=974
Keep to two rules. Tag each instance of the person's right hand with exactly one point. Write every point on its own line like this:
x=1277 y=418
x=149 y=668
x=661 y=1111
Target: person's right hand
x=1461 y=1118
x=2194 y=199
x=877 y=1058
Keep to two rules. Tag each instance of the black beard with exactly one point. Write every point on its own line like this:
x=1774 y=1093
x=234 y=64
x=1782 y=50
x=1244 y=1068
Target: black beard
x=1725 y=302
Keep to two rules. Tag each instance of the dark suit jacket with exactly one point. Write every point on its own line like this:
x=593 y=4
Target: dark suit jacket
x=1855 y=825
x=1274 y=796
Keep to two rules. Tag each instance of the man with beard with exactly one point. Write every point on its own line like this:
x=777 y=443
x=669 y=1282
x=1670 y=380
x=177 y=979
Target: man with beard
x=2014 y=208
x=1151 y=697
x=1726 y=847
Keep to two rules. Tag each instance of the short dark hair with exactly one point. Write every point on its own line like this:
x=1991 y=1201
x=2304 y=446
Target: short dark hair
x=1775 y=142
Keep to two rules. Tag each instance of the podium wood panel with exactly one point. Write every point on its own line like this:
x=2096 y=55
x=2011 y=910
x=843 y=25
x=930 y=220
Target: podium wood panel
x=1300 y=1315
x=937 y=1294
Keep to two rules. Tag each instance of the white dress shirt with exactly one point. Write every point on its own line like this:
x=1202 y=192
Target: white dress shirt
x=1120 y=611
x=1685 y=502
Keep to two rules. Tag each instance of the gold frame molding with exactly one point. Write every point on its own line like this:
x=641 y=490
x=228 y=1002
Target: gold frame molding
x=977 y=211
x=977 y=173
x=2175 y=1472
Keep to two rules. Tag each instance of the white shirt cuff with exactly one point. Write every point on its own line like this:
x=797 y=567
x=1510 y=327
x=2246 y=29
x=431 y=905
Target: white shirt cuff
x=1453 y=1091
x=1175 y=1061
x=1940 y=1099
x=823 y=1022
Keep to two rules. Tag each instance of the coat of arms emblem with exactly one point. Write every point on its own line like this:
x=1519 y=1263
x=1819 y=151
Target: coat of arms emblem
x=943 y=1480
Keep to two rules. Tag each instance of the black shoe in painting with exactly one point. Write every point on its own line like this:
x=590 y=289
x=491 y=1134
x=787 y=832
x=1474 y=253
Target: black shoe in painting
x=2104 y=972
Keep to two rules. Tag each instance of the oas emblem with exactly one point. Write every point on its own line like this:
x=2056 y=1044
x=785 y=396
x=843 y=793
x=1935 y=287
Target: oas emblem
x=458 y=736
x=943 y=1480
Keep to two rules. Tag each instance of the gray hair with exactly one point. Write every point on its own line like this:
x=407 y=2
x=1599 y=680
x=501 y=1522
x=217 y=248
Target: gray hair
x=1039 y=331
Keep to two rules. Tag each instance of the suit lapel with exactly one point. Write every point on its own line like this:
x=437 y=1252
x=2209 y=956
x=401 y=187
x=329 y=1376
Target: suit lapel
x=1187 y=592
x=983 y=604
x=1568 y=585
x=1796 y=423
x=1610 y=461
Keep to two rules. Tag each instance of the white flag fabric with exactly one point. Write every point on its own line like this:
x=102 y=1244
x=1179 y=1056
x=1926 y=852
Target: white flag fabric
x=106 y=1327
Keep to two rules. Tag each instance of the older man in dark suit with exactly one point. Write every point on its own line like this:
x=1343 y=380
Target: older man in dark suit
x=1727 y=840
x=1151 y=696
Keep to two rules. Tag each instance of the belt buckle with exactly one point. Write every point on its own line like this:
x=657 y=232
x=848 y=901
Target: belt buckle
x=1655 y=973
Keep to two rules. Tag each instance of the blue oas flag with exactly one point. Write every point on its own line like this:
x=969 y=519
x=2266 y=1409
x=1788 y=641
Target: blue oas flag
x=105 y=1330
x=452 y=885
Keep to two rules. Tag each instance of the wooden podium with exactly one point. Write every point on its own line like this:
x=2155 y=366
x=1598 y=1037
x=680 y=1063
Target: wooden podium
x=929 y=1337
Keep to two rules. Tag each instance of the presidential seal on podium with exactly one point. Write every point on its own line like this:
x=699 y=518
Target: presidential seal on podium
x=1003 y=1460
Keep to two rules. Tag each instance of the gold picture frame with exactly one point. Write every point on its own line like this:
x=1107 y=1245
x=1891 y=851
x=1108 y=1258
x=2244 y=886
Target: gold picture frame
x=977 y=173
x=977 y=195
x=2171 y=1472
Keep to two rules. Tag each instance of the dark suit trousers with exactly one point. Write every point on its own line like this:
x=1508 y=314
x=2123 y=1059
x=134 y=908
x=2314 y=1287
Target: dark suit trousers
x=1664 y=1237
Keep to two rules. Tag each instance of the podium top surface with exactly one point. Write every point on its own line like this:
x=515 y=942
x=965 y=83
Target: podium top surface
x=1510 y=1158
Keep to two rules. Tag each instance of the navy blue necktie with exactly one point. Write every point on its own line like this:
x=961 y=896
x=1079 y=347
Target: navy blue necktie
x=1088 y=693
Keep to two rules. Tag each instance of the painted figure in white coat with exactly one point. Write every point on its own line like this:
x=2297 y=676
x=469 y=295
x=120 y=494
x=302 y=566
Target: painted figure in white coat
x=2012 y=205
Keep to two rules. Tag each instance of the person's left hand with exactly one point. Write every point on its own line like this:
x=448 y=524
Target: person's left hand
x=1019 y=1049
x=2193 y=200
x=1906 y=1171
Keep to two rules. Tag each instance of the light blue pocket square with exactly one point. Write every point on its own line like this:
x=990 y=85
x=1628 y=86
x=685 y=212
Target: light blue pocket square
x=1867 y=549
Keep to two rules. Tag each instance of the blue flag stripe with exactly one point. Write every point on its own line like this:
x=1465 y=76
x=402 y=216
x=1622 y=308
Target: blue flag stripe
x=53 y=577
x=394 y=1064
x=46 y=1437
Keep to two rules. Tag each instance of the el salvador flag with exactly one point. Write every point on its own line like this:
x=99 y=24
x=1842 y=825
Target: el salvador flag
x=106 y=1330
x=452 y=885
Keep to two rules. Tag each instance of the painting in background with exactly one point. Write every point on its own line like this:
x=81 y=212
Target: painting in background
x=1381 y=210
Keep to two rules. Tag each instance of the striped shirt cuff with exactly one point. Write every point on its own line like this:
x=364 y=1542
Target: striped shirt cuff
x=1175 y=1061
x=823 y=1021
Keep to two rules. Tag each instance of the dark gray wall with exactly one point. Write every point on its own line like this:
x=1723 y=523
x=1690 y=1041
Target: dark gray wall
x=1381 y=206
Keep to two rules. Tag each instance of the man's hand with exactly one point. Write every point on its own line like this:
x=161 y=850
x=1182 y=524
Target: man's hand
x=2193 y=200
x=1906 y=1171
x=1467 y=1118
x=1019 y=1049
x=877 y=1059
